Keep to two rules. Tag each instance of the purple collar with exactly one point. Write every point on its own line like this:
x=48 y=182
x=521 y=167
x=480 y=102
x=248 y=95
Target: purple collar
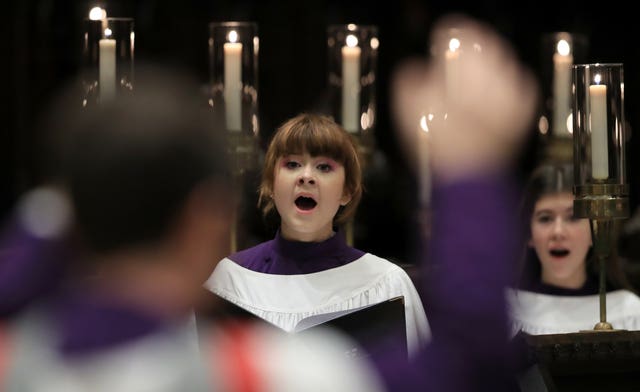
x=590 y=287
x=282 y=257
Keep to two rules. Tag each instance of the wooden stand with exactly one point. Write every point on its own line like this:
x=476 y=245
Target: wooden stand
x=584 y=361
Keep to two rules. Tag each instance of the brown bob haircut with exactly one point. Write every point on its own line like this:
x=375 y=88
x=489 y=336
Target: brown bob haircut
x=317 y=135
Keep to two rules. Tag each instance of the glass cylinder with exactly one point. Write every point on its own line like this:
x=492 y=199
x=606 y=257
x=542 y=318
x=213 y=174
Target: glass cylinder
x=353 y=57
x=233 y=71
x=560 y=50
x=107 y=59
x=233 y=78
x=599 y=141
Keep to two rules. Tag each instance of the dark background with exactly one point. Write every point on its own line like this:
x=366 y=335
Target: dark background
x=40 y=52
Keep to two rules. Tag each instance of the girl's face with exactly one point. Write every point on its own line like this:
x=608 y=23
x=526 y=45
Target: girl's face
x=560 y=241
x=307 y=192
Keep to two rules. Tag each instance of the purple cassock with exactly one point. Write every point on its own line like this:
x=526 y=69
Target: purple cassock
x=31 y=267
x=471 y=253
x=283 y=257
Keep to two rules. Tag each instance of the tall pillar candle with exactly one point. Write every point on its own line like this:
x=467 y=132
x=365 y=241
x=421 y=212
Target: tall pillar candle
x=561 y=93
x=233 y=85
x=351 y=88
x=451 y=59
x=107 y=69
x=599 y=143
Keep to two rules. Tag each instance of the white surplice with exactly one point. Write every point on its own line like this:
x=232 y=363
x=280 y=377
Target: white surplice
x=286 y=300
x=539 y=314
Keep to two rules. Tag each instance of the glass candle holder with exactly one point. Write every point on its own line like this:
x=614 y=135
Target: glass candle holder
x=601 y=191
x=107 y=59
x=352 y=62
x=599 y=141
x=560 y=50
x=233 y=73
x=233 y=70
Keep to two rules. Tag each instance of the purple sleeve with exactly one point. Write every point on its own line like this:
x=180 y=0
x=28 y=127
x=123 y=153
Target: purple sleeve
x=469 y=262
x=30 y=267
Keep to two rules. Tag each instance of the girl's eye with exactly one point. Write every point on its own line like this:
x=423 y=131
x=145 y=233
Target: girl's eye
x=545 y=218
x=325 y=167
x=291 y=164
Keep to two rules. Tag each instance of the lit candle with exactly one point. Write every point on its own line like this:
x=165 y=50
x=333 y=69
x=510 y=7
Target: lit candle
x=423 y=158
x=562 y=61
x=451 y=59
x=233 y=82
x=107 y=67
x=351 y=85
x=599 y=144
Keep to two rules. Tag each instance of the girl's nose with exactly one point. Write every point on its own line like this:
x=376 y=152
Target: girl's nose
x=558 y=227
x=306 y=177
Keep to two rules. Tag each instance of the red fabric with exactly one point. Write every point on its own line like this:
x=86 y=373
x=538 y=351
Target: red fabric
x=237 y=358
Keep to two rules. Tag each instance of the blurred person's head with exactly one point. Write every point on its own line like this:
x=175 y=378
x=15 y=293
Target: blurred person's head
x=146 y=173
x=558 y=242
x=311 y=176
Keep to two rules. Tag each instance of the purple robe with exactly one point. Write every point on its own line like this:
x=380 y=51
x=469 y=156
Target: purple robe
x=89 y=323
x=31 y=268
x=471 y=253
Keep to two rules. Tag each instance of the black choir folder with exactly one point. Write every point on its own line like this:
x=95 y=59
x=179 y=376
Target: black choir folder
x=372 y=328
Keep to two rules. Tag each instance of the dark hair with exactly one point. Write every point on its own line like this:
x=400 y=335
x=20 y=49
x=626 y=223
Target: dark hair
x=549 y=179
x=129 y=164
x=317 y=135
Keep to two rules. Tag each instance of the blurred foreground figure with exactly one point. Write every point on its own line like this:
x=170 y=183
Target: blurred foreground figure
x=34 y=244
x=474 y=228
x=147 y=182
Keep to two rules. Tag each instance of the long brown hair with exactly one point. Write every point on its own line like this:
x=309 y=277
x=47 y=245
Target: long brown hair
x=549 y=179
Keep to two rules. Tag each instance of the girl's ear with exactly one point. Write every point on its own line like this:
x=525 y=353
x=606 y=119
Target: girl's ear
x=346 y=198
x=530 y=243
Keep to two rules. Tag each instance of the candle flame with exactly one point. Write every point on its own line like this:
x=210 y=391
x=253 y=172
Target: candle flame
x=107 y=32
x=352 y=41
x=97 y=13
x=597 y=78
x=374 y=43
x=454 y=44
x=233 y=36
x=563 y=47
x=351 y=27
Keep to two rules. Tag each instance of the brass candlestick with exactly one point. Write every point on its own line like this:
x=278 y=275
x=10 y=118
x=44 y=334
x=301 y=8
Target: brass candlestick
x=602 y=204
x=243 y=153
x=601 y=192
